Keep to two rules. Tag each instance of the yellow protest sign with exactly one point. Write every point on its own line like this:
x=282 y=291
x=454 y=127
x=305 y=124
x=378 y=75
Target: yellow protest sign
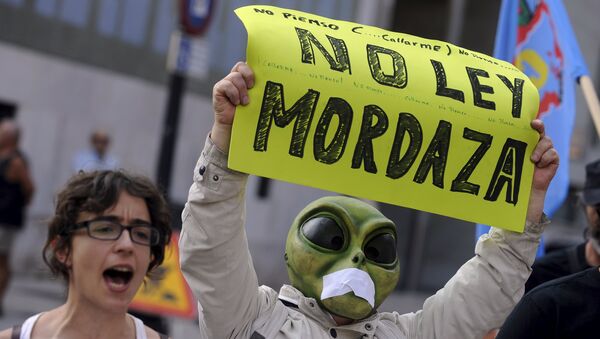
x=386 y=116
x=167 y=292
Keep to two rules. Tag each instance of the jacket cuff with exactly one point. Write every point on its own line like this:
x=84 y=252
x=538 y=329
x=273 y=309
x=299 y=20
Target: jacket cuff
x=213 y=154
x=537 y=227
x=213 y=165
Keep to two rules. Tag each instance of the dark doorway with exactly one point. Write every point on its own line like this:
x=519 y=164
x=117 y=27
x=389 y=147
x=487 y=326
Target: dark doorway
x=8 y=110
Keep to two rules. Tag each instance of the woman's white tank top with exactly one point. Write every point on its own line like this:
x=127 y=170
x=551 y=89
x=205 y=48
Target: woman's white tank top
x=27 y=327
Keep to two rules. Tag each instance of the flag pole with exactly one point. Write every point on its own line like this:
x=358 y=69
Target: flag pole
x=591 y=98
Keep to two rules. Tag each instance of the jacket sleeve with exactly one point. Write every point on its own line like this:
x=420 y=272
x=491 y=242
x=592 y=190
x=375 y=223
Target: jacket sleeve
x=484 y=290
x=213 y=248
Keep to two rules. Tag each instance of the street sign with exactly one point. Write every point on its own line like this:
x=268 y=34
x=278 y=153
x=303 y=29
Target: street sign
x=195 y=15
x=168 y=294
x=188 y=55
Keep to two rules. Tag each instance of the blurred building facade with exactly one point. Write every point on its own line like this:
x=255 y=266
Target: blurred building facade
x=69 y=66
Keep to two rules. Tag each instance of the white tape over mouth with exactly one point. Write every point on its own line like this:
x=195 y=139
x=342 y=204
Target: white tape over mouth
x=349 y=280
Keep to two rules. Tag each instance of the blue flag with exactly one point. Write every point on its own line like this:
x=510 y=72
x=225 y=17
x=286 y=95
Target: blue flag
x=536 y=36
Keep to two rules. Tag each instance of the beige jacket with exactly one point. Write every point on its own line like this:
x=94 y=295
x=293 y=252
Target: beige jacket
x=217 y=265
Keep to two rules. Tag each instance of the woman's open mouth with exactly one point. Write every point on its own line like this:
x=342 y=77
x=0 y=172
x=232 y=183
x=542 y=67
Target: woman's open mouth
x=117 y=278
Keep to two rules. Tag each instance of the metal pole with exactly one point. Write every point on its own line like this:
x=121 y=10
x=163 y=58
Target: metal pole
x=169 y=133
x=456 y=21
x=591 y=98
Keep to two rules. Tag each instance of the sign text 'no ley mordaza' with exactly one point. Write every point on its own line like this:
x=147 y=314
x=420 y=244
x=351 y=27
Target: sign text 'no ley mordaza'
x=386 y=116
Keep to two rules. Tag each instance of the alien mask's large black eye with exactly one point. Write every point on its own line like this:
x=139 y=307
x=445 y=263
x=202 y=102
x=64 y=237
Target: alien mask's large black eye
x=324 y=232
x=381 y=249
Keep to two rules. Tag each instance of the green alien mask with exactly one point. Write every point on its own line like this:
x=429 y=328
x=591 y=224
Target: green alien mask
x=336 y=235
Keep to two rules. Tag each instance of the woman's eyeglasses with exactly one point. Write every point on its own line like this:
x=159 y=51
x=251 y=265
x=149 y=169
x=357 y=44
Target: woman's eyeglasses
x=103 y=229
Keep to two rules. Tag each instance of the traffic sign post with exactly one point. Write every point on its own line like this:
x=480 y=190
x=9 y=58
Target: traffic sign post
x=194 y=19
x=188 y=55
x=195 y=15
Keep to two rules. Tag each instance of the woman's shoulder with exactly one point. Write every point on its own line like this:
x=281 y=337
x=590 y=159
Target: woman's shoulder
x=150 y=334
x=6 y=333
x=24 y=328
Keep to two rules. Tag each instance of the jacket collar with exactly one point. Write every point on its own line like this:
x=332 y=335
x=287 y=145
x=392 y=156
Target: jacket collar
x=311 y=309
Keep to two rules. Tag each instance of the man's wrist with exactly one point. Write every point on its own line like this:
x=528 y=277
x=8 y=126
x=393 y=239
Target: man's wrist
x=221 y=135
x=535 y=208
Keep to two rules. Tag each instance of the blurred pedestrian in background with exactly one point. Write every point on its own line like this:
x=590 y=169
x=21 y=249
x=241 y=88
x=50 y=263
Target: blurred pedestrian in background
x=97 y=156
x=16 y=190
x=108 y=233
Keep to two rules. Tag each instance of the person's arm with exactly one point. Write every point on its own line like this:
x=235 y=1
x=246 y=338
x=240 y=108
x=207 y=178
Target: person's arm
x=18 y=172
x=486 y=288
x=214 y=254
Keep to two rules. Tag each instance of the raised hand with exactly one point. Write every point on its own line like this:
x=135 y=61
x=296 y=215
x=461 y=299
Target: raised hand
x=228 y=93
x=545 y=158
x=546 y=161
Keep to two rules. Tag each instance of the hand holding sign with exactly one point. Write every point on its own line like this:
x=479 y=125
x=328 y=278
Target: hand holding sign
x=545 y=158
x=228 y=93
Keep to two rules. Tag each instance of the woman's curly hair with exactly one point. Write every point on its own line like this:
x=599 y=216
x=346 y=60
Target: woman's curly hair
x=95 y=192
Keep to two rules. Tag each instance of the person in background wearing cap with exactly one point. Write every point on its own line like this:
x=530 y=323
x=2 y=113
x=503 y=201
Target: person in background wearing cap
x=574 y=259
x=567 y=303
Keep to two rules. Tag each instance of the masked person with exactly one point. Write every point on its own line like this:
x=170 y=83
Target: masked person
x=340 y=255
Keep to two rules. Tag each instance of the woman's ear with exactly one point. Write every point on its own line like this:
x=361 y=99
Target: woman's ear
x=64 y=257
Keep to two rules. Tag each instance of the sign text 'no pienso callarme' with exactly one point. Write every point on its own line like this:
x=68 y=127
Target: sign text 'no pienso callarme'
x=386 y=116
